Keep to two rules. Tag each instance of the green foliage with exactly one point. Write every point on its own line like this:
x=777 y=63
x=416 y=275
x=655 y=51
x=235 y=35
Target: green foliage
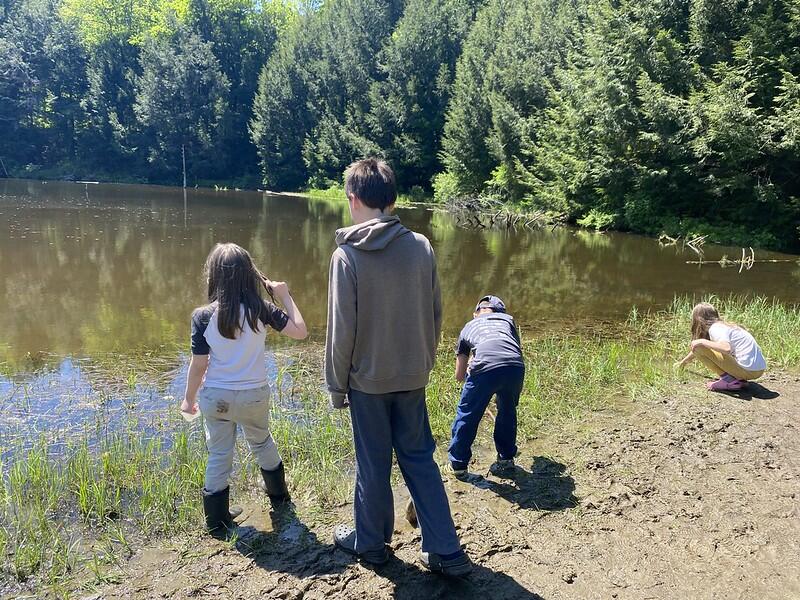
x=657 y=112
x=42 y=82
x=181 y=101
x=85 y=84
x=132 y=20
x=417 y=68
x=669 y=115
x=598 y=220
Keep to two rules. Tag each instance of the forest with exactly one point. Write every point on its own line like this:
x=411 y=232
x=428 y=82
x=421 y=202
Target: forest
x=655 y=116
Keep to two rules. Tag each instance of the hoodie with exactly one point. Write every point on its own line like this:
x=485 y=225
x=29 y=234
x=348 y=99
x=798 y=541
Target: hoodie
x=384 y=310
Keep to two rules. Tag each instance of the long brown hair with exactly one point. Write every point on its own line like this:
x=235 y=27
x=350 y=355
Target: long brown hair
x=234 y=281
x=704 y=315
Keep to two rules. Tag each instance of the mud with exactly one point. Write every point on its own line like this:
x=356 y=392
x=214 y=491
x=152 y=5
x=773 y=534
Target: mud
x=691 y=496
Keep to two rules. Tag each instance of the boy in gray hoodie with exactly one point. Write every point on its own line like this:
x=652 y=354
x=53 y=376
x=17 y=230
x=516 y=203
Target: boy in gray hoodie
x=384 y=324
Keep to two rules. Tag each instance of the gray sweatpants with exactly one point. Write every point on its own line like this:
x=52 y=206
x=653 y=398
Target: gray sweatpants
x=222 y=411
x=400 y=421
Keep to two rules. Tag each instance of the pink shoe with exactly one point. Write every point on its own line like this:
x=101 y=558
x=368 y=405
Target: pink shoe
x=721 y=385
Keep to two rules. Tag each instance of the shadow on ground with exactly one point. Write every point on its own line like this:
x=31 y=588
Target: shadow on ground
x=291 y=547
x=294 y=549
x=411 y=582
x=753 y=391
x=547 y=486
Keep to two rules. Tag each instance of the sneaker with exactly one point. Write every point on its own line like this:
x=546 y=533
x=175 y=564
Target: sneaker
x=502 y=466
x=723 y=385
x=344 y=538
x=459 y=566
x=460 y=474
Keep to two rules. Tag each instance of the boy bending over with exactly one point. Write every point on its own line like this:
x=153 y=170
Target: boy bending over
x=489 y=357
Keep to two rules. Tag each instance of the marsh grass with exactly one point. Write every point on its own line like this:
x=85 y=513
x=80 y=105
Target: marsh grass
x=417 y=195
x=75 y=508
x=67 y=512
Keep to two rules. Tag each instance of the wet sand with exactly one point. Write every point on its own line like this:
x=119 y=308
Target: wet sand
x=694 y=495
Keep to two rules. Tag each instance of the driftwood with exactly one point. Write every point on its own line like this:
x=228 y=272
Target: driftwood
x=694 y=243
x=475 y=213
x=746 y=262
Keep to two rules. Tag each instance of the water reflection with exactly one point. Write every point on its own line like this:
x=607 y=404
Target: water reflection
x=91 y=270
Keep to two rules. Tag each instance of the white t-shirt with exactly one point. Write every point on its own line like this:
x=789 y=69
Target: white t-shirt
x=744 y=348
x=238 y=364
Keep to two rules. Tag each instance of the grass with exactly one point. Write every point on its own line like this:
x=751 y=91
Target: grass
x=416 y=196
x=66 y=514
x=62 y=511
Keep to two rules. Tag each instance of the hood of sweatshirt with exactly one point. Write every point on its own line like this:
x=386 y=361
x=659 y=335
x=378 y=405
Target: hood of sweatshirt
x=374 y=234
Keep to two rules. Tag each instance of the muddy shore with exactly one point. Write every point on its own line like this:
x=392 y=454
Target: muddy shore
x=694 y=495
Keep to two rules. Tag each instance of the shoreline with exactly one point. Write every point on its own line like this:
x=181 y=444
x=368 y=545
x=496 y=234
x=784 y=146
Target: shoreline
x=513 y=213
x=135 y=490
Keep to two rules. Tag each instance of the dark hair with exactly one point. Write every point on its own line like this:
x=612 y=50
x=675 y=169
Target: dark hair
x=371 y=180
x=233 y=281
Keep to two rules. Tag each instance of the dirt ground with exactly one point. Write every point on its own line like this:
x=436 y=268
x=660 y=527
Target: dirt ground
x=693 y=496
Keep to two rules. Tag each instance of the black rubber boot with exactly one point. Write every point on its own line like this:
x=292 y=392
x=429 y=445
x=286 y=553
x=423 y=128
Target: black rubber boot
x=218 y=517
x=275 y=485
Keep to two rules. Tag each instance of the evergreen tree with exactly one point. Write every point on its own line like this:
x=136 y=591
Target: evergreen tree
x=42 y=82
x=417 y=66
x=181 y=103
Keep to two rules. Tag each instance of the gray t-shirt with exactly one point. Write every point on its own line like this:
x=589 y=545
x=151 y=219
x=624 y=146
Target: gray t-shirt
x=493 y=341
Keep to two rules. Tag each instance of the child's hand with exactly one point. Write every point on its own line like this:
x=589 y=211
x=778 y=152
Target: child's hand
x=699 y=342
x=188 y=407
x=278 y=288
x=339 y=401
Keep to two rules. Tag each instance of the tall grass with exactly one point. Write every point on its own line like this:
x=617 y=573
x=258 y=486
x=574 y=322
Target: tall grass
x=131 y=485
x=85 y=496
x=775 y=326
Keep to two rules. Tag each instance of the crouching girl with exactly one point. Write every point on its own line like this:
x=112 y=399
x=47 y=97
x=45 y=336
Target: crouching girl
x=725 y=348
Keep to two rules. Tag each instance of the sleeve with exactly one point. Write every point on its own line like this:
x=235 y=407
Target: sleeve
x=437 y=303
x=719 y=332
x=341 y=333
x=276 y=317
x=200 y=319
x=462 y=345
x=515 y=332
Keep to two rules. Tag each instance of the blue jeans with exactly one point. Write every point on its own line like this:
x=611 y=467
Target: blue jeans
x=506 y=383
x=397 y=420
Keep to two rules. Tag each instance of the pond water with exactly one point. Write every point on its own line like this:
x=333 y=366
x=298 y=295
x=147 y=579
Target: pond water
x=98 y=278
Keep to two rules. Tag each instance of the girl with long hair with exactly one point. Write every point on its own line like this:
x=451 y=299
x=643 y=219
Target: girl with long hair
x=726 y=348
x=228 y=341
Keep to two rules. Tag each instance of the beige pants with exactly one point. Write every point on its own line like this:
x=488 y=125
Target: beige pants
x=222 y=411
x=721 y=363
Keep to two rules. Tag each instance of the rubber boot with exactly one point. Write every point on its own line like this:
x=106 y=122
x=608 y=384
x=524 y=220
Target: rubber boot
x=218 y=517
x=275 y=485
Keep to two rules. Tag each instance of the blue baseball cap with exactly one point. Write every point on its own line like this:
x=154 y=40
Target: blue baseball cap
x=492 y=302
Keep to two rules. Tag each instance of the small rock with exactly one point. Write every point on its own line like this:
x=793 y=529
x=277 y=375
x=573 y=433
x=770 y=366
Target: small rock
x=569 y=576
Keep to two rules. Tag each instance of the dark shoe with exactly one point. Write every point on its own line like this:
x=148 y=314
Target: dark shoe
x=460 y=566
x=344 y=538
x=275 y=485
x=219 y=520
x=460 y=473
x=503 y=467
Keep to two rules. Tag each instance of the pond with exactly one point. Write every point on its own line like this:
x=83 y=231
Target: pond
x=98 y=281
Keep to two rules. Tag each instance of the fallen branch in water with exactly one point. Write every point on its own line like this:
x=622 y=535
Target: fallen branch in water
x=695 y=243
x=483 y=213
x=746 y=262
